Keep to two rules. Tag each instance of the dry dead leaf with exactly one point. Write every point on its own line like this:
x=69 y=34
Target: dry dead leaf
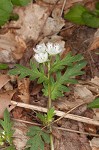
x=54 y=23
x=95 y=143
x=20 y=138
x=36 y=89
x=31 y=20
x=8 y=86
x=95 y=41
x=95 y=80
x=96 y=111
x=12 y=47
x=23 y=88
x=5 y=102
x=3 y=80
x=83 y=93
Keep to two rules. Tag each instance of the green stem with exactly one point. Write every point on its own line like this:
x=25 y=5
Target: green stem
x=49 y=87
x=50 y=104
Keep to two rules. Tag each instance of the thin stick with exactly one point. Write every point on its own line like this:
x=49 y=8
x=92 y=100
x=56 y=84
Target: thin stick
x=63 y=7
x=54 y=127
x=68 y=112
x=75 y=131
x=58 y=113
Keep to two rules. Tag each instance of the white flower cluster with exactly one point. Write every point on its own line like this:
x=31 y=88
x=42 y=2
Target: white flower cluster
x=43 y=51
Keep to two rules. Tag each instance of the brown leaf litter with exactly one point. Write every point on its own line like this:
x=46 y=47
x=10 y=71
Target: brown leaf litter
x=12 y=47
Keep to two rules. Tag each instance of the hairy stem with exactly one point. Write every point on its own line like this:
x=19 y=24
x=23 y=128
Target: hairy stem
x=50 y=104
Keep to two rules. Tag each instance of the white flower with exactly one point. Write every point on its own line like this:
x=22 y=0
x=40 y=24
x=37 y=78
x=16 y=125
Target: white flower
x=41 y=57
x=40 y=48
x=53 y=49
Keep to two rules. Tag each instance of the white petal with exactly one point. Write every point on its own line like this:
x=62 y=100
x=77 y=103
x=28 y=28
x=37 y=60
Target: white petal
x=57 y=48
x=41 y=57
x=53 y=49
x=49 y=48
x=41 y=48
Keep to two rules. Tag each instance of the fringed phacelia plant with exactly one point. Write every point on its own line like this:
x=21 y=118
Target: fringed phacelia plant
x=54 y=73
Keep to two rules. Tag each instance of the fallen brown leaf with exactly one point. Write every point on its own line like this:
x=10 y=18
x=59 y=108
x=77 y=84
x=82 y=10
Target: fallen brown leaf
x=12 y=47
x=5 y=102
x=20 y=138
x=23 y=89
x=95 y=41
x=31 y=19
x=3 y=80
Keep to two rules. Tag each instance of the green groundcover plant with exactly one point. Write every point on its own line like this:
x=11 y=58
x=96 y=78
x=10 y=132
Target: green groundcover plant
x=80 y=15
x=54 y=73
x=6 y=9
x=6 y=133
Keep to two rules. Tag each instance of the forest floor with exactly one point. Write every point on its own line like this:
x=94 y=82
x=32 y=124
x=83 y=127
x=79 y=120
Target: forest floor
x=17 y=39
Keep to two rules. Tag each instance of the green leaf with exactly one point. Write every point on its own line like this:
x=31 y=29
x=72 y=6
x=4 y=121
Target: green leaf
x=3 y=66
x=7 y=126
x=21 y=70
x=20 y=2
x=94 y=104
x=75 y=14
x=42 y=118
x=47 y=118
x=37 y=138
x=33 y=73
x=6 y=8
x=46 y=137
x=33 y=131
x=50 y=115
x=90 y=20
x=35 y=143
x=58 y=87
x=68 y=60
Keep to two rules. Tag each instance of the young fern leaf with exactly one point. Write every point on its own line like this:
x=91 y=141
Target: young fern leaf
x=33 y=73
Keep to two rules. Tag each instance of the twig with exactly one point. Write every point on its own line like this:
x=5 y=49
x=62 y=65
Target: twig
x=54 y=127
x=68 y=112
x=75 y=131
x=64 y=3
x=58 y=113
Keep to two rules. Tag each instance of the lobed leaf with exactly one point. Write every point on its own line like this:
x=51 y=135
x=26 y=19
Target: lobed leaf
x=33 y=73
x=94 y=104
x=68 y=60
x=58 y=87
x=7 y=127
x=37 y=138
